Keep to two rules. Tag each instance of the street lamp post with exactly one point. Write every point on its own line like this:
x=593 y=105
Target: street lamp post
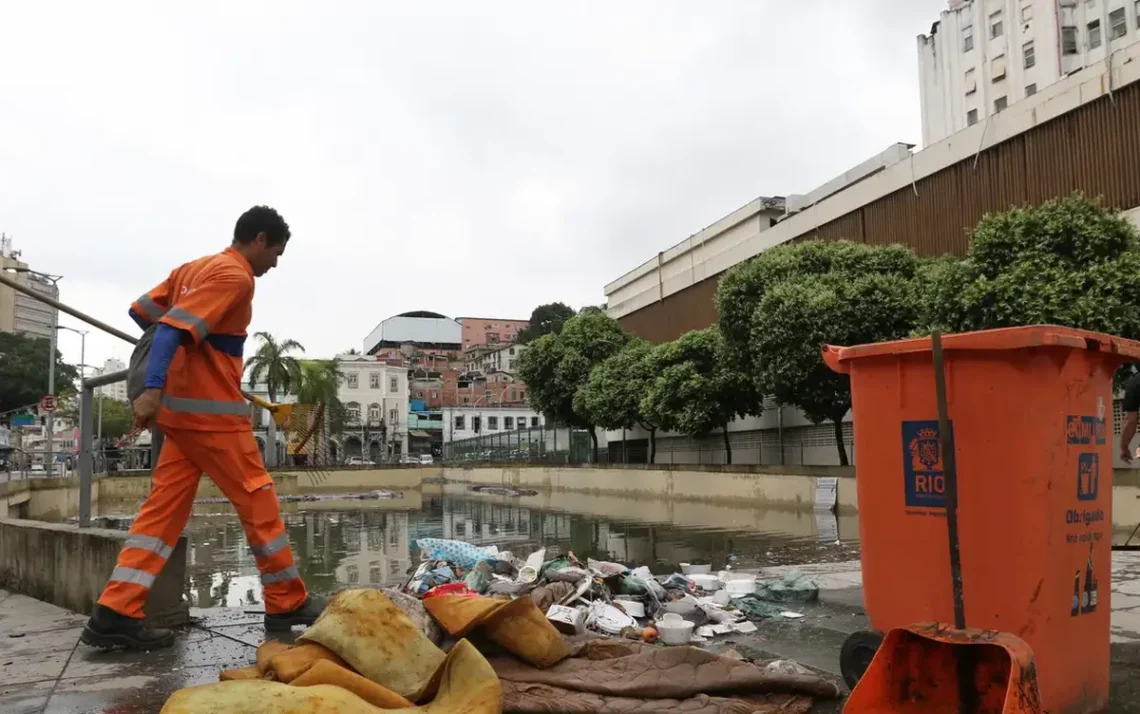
x=48 y=424
x=82 y=367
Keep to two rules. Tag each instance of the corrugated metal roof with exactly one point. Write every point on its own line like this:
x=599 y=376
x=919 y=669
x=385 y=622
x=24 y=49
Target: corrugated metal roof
x=423 y=330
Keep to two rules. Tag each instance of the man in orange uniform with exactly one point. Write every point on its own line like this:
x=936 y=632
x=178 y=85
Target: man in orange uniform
x=193 y=392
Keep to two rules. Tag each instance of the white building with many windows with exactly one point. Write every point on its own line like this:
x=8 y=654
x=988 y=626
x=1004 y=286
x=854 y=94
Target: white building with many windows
x=467 y=421
x=983 y=55
x=498 y=358
x=118 y=390
x=375 y=394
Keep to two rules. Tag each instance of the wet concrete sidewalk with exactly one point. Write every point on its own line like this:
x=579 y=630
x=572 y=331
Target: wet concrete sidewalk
x=44 y=669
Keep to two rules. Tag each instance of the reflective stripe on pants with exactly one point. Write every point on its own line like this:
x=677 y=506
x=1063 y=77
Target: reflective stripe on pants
x=233 y=462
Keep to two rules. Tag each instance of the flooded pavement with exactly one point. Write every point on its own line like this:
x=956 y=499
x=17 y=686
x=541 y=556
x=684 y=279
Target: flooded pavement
x=338 y=544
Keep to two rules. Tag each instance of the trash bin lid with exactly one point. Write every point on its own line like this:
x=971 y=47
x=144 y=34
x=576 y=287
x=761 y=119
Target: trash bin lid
x=1006 y=338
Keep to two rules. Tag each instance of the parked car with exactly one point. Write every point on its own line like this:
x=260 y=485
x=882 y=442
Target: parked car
x=359 y=461
x=427 y=459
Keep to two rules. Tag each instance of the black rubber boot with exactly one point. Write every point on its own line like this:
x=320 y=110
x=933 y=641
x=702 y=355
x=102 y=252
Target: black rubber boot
x=305 y=615
x=108 y=629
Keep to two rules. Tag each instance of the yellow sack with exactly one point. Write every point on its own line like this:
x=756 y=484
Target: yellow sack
x=467 y=685
x=325 y=672
x=518 y=625
x=377 y=639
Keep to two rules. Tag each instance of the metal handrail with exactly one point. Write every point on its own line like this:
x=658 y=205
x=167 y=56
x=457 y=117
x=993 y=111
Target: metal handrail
x=103 y=380
x=5 y=280
x=87 y=399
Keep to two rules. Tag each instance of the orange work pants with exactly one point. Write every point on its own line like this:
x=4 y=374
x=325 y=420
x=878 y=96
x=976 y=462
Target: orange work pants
x=233 y=461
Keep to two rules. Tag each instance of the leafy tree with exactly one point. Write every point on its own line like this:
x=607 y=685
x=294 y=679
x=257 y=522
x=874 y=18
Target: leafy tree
x=545 y=320
x=556 y=366
x=24 y=371
x=797 y=316
x=320 y=386
x=1069 y=261
x=118 y=417
x=743 y=287
x=612 y=396
x=280 y=372
x=778 y=342
x=696 y=387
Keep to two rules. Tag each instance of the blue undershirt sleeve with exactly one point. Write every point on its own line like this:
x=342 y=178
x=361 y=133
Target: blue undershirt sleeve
x=139 y=319
x=166 y=342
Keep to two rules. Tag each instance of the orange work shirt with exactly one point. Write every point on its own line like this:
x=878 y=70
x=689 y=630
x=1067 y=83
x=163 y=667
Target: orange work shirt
x=211 y=301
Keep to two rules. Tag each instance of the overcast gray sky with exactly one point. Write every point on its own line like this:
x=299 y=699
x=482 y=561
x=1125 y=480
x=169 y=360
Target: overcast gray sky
x=469 y=158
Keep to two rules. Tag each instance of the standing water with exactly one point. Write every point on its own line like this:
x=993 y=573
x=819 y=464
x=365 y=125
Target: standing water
x=373 y=544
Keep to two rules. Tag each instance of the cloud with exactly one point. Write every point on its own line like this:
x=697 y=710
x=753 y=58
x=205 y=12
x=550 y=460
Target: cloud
x=465 y=158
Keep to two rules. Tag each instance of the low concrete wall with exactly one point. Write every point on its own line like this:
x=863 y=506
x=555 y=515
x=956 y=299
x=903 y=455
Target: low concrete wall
x=69 y=566
x=126 y=488
x=330 y=480
x=788 y=487
x=42 y=499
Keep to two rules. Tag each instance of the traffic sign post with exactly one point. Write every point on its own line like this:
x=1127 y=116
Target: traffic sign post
x=47 y=404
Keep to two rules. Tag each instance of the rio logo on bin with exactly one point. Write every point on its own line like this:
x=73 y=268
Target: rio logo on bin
x=1088 y=477
x=1085 y=430
x=924 y=478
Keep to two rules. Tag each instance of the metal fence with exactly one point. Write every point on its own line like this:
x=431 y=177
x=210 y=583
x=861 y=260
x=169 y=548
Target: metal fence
x=561 y=445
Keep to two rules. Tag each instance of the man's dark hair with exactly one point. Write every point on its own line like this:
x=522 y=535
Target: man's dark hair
x=261 y=219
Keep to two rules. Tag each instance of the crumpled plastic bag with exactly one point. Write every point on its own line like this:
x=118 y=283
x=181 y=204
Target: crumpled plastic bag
x=551 y=594
x=478 y=579
x=457 y=552
x=687 y=609
x=604 y=569
x=793 y=587
x=513 y=588
x=756 y=609
x=566 y=575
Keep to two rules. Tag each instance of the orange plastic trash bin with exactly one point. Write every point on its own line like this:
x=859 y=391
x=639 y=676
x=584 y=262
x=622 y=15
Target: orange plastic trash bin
x=1030 y=414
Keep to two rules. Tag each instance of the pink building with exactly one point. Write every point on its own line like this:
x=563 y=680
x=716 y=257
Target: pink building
x=479 y=331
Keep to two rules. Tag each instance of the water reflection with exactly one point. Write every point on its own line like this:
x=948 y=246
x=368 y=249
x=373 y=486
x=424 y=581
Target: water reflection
x=369 y=547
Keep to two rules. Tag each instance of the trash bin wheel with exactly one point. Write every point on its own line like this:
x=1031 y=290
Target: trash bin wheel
x=856 y=655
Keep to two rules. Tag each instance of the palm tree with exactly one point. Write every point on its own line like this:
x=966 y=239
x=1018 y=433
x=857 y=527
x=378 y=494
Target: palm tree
x=280 y=372
x=320 y=386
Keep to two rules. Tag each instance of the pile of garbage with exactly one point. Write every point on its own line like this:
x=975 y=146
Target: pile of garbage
x=373 y=651
x=690 y=607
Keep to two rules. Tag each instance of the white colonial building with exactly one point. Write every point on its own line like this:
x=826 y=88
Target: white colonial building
x=983 y=55
x=375 y=393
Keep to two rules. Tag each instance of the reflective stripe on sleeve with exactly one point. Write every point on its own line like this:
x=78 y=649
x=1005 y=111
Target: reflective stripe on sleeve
x=150 y=543
x=132 y=575
x=205 y=406
x=290 y=573
x=188 y=318
x=276 y=545
x=150 y=308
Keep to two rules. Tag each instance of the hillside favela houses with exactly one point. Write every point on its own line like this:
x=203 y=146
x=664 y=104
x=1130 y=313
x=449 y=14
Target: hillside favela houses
x=448 y=364
x=1008 y=120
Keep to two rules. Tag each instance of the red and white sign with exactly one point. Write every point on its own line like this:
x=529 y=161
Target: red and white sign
x=47 y=404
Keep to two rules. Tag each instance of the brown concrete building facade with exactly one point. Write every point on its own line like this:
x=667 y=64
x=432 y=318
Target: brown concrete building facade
x=1080 y=134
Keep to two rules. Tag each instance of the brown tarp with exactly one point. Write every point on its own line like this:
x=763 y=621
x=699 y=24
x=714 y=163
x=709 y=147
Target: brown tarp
x=622 y=677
